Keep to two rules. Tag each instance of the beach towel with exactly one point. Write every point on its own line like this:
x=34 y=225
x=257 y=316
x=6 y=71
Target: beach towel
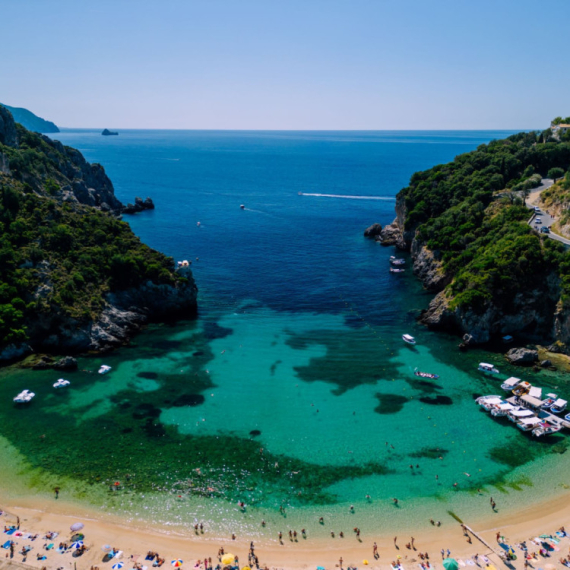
x=470 y=562
x=42 y=558
x=460 y=562
x=11 y=531
x=485 y=559
x=49 y=546
x=7 y=544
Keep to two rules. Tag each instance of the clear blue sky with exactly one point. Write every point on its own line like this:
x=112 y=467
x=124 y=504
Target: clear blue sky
x=287 y=64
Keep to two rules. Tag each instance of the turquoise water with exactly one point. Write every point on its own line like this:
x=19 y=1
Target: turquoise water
x=292 y=387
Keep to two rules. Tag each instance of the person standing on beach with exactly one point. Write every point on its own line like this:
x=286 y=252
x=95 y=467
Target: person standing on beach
x=395 y=541
x=375 y=550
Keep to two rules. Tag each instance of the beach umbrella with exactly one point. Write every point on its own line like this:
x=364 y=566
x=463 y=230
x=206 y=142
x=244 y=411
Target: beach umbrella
x=246 y=568
x=76 y=526
x=228 y=559
x=107 y=548
x=77 y=544
x=118 y=566
x=177 y=563
x=450 y=564
x=320 y=568
x=77 y=536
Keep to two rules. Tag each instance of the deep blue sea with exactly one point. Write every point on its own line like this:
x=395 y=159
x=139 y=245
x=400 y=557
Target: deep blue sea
x=292 y=387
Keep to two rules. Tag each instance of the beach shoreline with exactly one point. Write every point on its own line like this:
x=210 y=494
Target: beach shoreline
x=135 y=540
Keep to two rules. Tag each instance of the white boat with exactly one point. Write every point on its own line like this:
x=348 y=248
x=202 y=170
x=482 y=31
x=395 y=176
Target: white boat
x=408 y=338
x=396 y=270
x=492 y=403
x=503 y=409
x=61 y=383
x=522 y=388
x=482 y=399
x=545 y=429
x=488 y=368
x=242 y=206
x=395 y=261
x=528 y=424
x=510 y=383
x=517 y=415
x=24 y=397
x=550 y=399
x=104 y=369
x=559 y=406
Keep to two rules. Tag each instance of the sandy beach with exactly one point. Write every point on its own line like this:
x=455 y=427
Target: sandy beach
x=136 y=541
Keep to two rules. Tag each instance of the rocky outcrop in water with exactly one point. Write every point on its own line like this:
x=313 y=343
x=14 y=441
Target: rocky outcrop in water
x=522 y=356
x=373 y=231
x=139 y=206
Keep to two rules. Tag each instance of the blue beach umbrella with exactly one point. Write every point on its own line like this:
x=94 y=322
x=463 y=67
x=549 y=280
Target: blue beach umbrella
x=77 y=544
x=118 y=566
x=450 y=564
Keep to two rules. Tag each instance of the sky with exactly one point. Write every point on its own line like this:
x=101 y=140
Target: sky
x=287 y=64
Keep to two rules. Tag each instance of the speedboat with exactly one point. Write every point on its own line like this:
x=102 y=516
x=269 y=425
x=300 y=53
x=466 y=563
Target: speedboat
x=522 y=388
x=397 y=261
x=509 y=384
x=242 y=206
x=396 y=270
x=425 y=374
x=24 y=397
x=104 y=369
x=61 y=383
x=481 y=399
x=492 y=403
x=488 y=368
x=528 y=424
x=408 y=338
x=545 y=429
x=559 y=406
x=550 y=399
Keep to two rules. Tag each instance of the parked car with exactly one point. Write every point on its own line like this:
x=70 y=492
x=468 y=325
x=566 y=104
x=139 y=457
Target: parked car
x=544 y=230
x=538 y=221
x=537 y=210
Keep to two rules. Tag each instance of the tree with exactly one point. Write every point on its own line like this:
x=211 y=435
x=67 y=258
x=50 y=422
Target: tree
x=555 y=173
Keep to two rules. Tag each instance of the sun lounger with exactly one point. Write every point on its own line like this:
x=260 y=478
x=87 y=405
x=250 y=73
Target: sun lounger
x=398 y=567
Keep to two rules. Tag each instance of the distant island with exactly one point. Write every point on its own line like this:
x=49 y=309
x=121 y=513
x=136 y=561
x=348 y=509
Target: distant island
x=108 y=133
x=30 y=121
x=74 y=276
x=467 y=228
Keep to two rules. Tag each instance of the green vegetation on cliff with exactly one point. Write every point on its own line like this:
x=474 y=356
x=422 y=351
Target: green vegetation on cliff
x=58 y=255
x=471 y=213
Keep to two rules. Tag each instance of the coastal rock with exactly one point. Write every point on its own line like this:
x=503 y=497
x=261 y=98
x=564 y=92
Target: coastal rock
x=373 y=231
x=428 y=267
x=148 y=204
x=8 y=133
x=14 y=352
x=138 y=206
x=392 y=235
x=522 y=356
x=66 y=363
x=546 y=363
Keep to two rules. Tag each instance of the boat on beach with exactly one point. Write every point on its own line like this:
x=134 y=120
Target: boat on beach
x=408 y=338
x=487 y=368
x=61 y=383
x=24 y=397
x=104 y=369
x=425 y=374
x=509 y=384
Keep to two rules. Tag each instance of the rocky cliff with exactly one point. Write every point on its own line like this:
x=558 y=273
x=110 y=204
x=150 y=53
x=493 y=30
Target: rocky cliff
x=30 y=121
x=73 y=276
x=470 y=244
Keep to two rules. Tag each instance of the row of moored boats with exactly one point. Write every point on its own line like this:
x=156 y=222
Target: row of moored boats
x=26 y=396
x=527 y=407
x=396 y=264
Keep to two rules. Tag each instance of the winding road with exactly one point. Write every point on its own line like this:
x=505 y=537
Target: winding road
x=547 y=219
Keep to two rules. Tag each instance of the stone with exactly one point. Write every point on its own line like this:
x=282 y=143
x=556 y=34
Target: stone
x=522 y=356
x=373 y=231
x=546 y=363
x=148 y=204
x=66 y=363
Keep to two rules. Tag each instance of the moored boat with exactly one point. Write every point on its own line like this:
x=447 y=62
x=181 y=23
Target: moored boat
x=521 y=413
x=61 y=383
x=522 y=388
x=104 y=369
x=408 y=338
x=559 y=406
x=545 y=428
x=482 y=399
x=487 y=368
x=550 y=399
x=396 y=270
x=397 y=261
x=425 y=374
x=24 y=397
x=528 y=424
x=509 y=384
x=503 y=409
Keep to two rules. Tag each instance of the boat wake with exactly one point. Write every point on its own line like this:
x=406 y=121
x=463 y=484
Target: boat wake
x=387 y=198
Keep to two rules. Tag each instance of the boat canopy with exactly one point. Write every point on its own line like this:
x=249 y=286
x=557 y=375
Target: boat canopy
x=531 y=401
x=493 y=401
x=506 y=406
x=535 y=392
x=521 y=413
x=530 y=421
x=512 y=381
x=485 y=365
x=560 y=403
x=408 y=337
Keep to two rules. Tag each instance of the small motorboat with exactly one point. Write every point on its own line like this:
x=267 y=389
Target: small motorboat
x=517 y=415
x=493 y=398
x=425 y=374
x=550 y=399
x=242 y=206
x=492 y=403
x=396 y=270
x=61 y=383
x=528 y=424
x=545 y=428
x=397 y=261
x=567 y=417
x=503 y=409
x=408 y=338
x=24 y=397
x=104 y=369
x=522 y=388
x=487 y=368
x=559 y=406
x=510 y=384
